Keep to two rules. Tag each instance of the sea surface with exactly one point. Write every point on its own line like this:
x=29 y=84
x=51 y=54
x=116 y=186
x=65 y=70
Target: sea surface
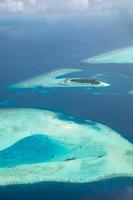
x=33 y=45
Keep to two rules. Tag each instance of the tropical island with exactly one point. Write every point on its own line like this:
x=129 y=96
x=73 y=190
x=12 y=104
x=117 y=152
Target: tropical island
x=54 y=79
x=85 y=80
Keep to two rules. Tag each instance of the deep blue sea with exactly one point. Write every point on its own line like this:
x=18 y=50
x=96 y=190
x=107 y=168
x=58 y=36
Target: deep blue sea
x=32 y=45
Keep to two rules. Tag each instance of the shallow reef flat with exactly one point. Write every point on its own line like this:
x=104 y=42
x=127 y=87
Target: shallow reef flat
x=54 y=79
x=40 y=146
x=118 y=56
x=130 y=92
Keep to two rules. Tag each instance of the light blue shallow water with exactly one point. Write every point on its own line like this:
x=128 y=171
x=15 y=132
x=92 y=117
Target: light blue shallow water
x=33 y=149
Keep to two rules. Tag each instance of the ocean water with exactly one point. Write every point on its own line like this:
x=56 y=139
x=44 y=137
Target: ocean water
x=32 y=45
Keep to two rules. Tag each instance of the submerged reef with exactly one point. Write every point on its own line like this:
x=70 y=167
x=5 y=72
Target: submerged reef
x=123 y=55
x=38 y=145
x=130 y=92
x=53 y=79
